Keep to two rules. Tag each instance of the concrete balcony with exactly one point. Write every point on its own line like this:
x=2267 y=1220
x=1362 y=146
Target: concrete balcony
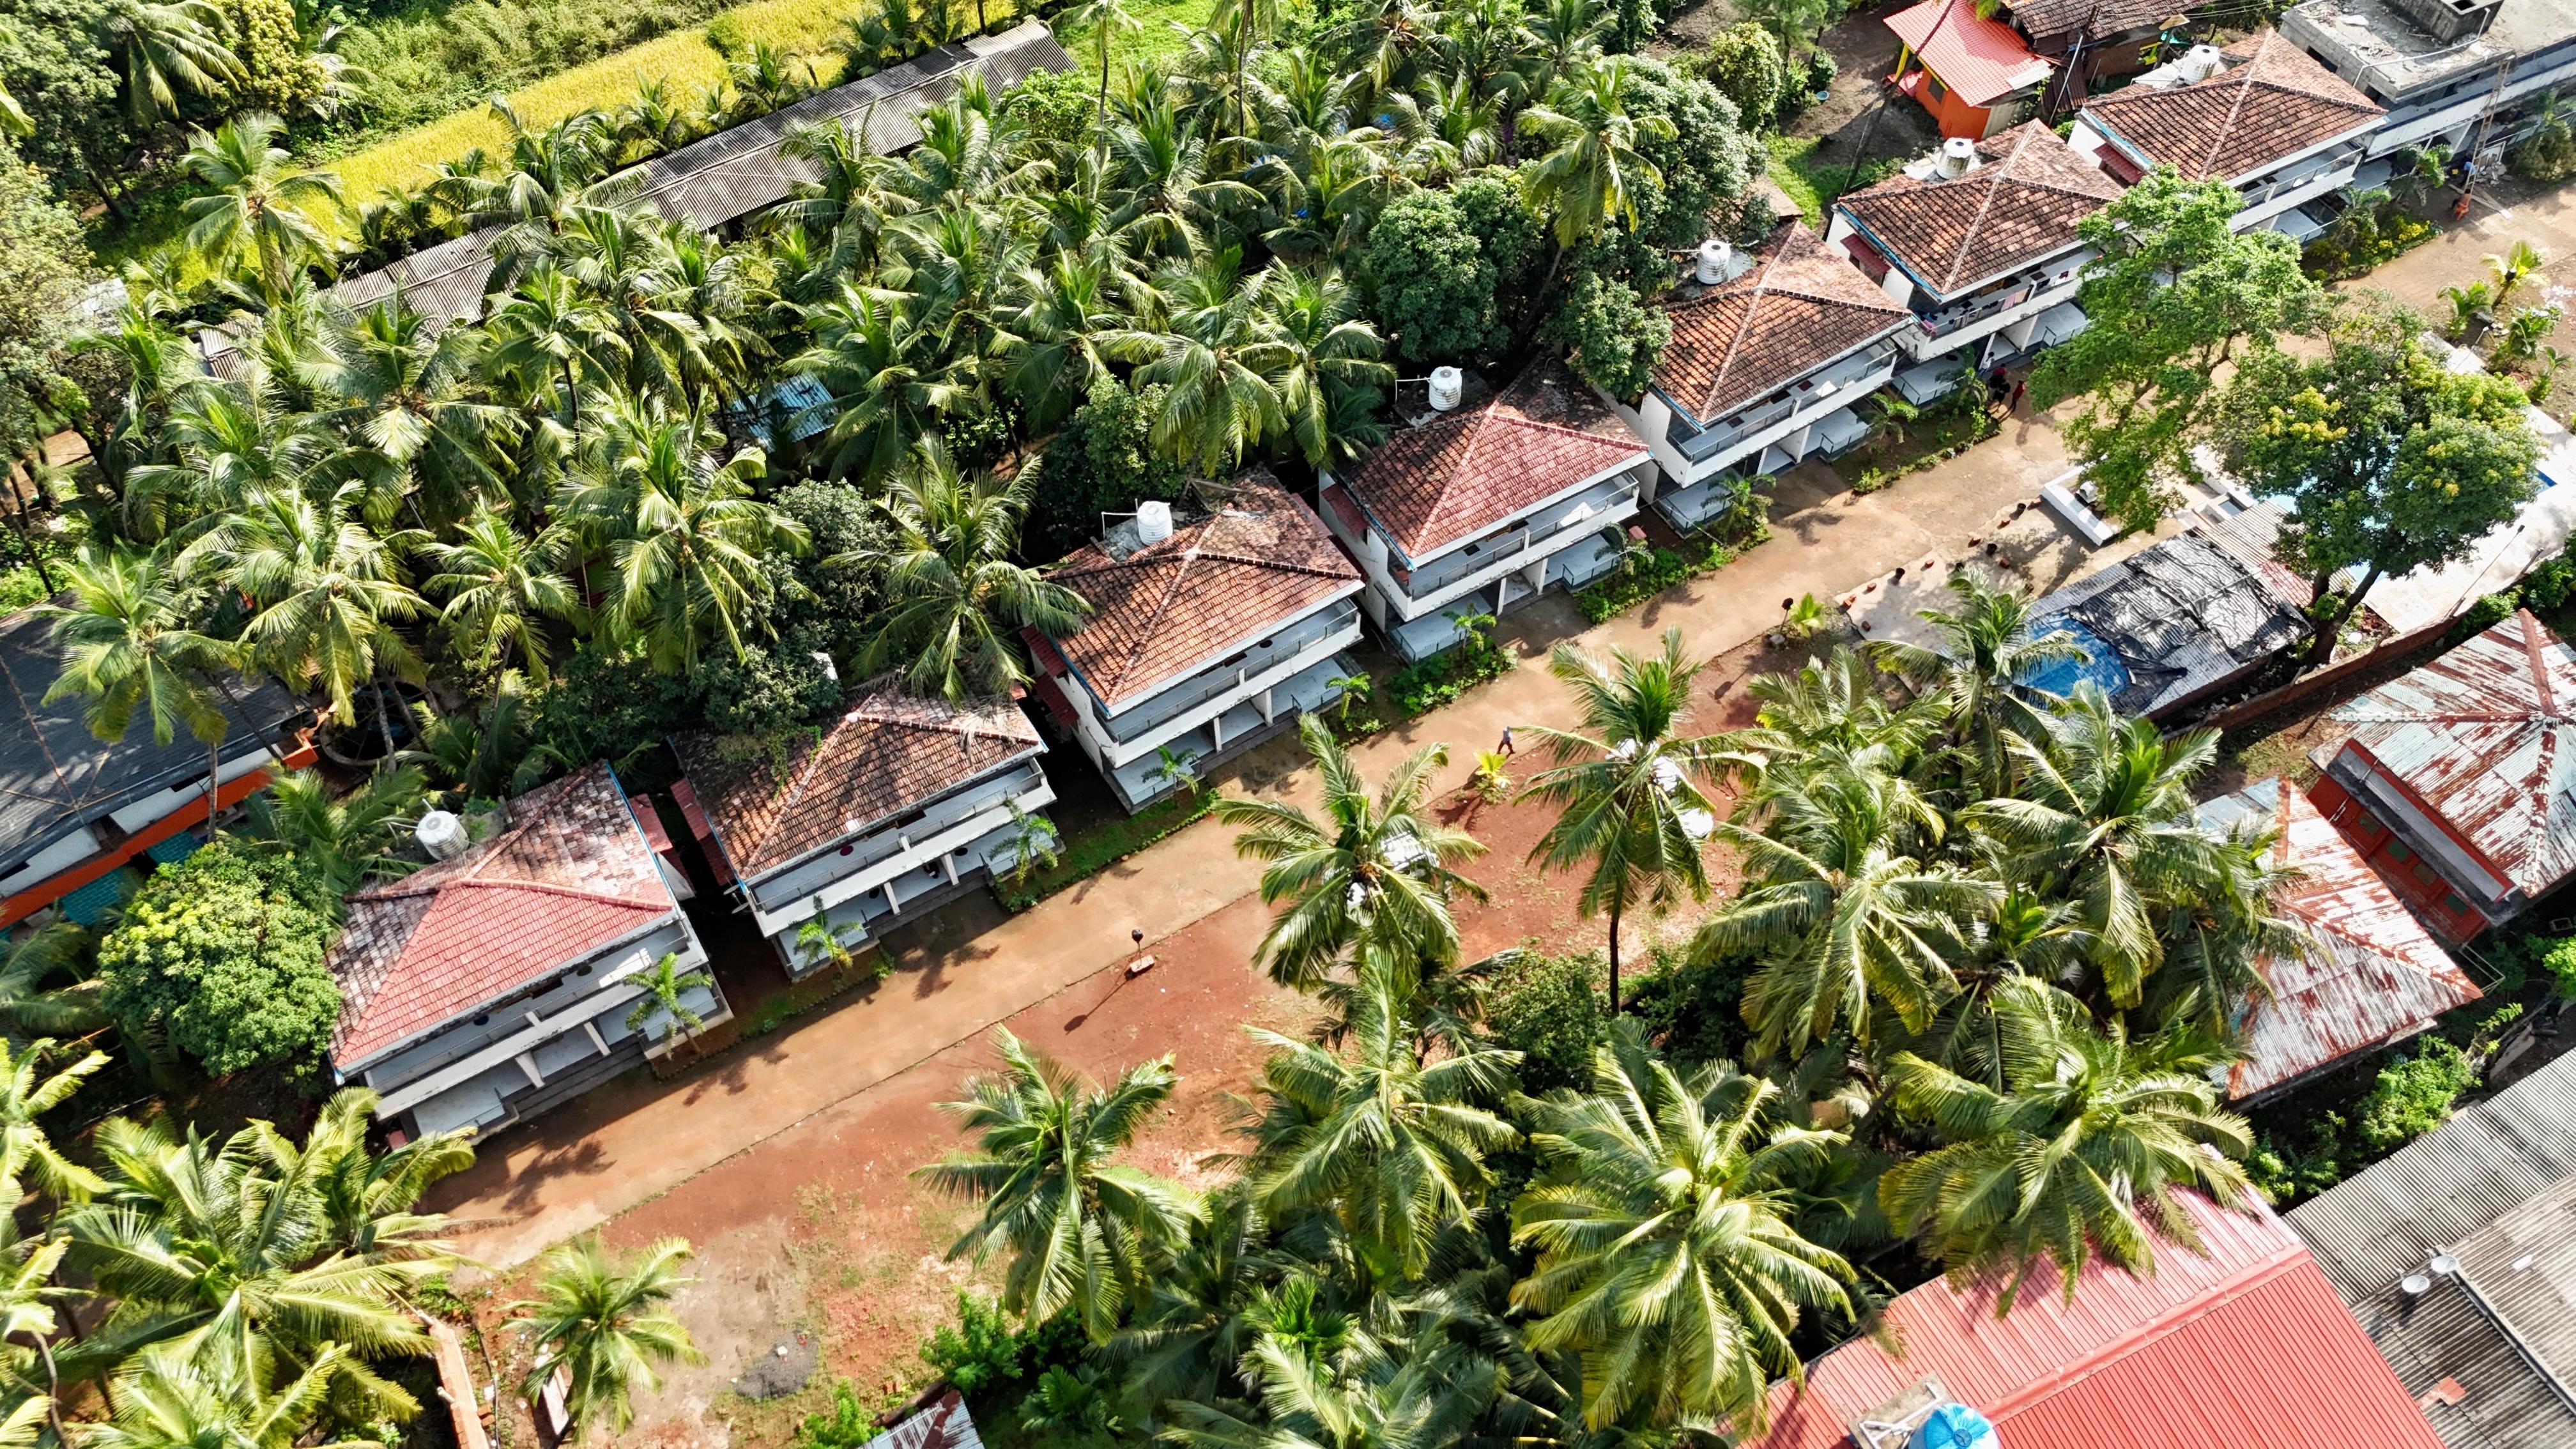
x=1189 y=704
x=961 y=865
x=2308 y=180
x=1694 y=453
x=1944 y=333
x=477 y=1090
x=1438 y=586
x=1239 y=725
x=887 y=864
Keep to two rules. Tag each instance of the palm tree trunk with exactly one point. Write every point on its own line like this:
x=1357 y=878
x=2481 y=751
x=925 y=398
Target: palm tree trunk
x=1614 y=958
x=214 y=784
x=385 y=721
x=225 y=688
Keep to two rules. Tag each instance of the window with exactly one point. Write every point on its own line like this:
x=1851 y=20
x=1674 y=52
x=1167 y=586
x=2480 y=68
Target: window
x=1932 y=86
x=2398 y=852
x=2451 y=902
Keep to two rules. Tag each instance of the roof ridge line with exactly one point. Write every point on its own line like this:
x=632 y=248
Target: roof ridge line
x=2235 y=109
x=1977 y=223
x=2283 y=1259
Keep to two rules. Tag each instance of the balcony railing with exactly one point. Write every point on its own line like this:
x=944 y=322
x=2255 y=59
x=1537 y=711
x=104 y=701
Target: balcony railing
x=1828 y=386
x=895 y=838
x=1219 y=680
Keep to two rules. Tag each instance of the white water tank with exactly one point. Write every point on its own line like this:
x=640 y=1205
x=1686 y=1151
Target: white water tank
x=2201 y=62
x=1716 y=262
x=441 y=834
x=1153 y=521
x=1448 y=384
x=1958 y=157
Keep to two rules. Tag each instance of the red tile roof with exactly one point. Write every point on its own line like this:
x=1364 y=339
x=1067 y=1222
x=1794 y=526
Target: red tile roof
x=1801 y=305
x=2486 y=737
x=2020 y=205
x=2100 y=20
x=2246 y=1348
x=2271 y=103
x=567 y=876
x=884 y=754
x=2375 y=975
x=1982 y=59
x=1217 y=584
x=1451 y=479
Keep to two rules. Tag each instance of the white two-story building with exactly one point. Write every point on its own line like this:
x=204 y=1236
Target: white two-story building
x=895 y=806
x=1978 y=241
x=486 y=987
x=1481 y=504
x=1207 y=634
x=2260 y=115
x=2467 y=74
x=1770 y=354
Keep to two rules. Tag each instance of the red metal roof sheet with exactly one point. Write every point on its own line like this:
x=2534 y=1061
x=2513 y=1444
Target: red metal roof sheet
x=568 y=876
x=2375 y=974
x=2245 y=1348
x=2482 y=737
x=1982 y=59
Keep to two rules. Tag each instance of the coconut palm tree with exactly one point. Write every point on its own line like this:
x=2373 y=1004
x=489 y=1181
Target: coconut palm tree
x=955 y=594
x=401 y=385
x=501 y=586
x=1327 y=351
x=348 y=838
x=2105 y=804
x=1219 y=361
x=166 y=47
x=1583 y=180
x=1112 y=25
x=890 y=383
x=607 y=1332
x=821 y=943
x=1989 y=650
x=329 y=594
x=261 y=209
x=1378 y=1398
x=2517 y=264
x=127 y=648
x=176 y=1398
x=368 y=1197
x=1386 y=1134
x=1843 y=903
x=27 y=1092
x=1666 y=1255
x=1175 y=771
x=2079 y=1155
x=666 y=987
x=1369 y=868
x=1192 y=1327
x=547 y=329
x=1084 y=1232
x=31 y=1004
x=1630 y=811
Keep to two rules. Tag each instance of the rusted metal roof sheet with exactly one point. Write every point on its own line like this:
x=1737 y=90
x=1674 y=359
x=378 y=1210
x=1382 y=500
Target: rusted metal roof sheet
x=2484 y=737
x=2373 y=975
x=728 y=175
x=2245 y=1348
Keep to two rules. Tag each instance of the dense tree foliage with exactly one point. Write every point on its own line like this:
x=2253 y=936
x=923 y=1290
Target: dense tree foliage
x=223 y=953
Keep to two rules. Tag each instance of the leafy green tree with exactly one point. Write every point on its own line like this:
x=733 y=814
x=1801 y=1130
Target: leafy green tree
x=1744 y=61
x=2393 y=462
x=54 y=63
x=41 y=272
x=1101 y=461
x=2175 y=294
x=1626 y=786
x=1084 y=1232
x=956 y=595
x=1437 y=295
x=607 y=1331
x=224 y=952
x=1666 y=1255
x=2079 y=1156
x=1372 y=868
x=1612 y=339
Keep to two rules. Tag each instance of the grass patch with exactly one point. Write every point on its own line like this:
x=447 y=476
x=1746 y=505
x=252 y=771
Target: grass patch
x=1935 y=437
x=1809 y=180
x=1165 y=27
x=1103 y=846
x=1424 y=686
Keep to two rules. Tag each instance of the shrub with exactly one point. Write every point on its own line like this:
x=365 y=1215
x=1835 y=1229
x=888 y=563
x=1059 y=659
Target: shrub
x=608 y=705
x=2560 y=962
x=2285 y=1173
x=1611 y=337
x=1549 y=1009
x=848 y=1426
x=980 y=1351
x=2550 y=152
x=223 y=953
x=2413 y=1096
x=1692 y=1008
x=1425 y=686
x=1101 y=461
x=2489 y=611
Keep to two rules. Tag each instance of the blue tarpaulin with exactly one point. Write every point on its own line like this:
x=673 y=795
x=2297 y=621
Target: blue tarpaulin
x=1956 y=1426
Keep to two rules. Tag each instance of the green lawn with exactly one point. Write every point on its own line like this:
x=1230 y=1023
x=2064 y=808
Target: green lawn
x=1809 y=179
x=1166 y=26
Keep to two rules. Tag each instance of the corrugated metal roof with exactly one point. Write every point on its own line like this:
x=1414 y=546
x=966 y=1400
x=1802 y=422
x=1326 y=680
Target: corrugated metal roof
x=2485 y=737
x=2374 y=976
x=1977 y=56
x=2492 y=1157
x=2245 y=1348
x=733 y=173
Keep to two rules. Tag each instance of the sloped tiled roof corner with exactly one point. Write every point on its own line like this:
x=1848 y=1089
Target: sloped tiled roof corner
x=1452 y=478
x=2021 y=205
x=1799 y=306
x=1260 y=561
x=568 y=875
x=2272 y=102
x=883 y=754
x=2098 y=19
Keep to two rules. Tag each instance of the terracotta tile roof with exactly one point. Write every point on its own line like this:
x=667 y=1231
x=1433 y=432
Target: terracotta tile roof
x=1217 y=584
x=2375 y=975
x=567 y=876
x=2100 y=20
x=2243 y=1346
x=1799 y=306
x=884 y=754
x=2020 y=205
x=2485 y=737
x=1449 y=480
x=1983 y=60
x=2272 y=102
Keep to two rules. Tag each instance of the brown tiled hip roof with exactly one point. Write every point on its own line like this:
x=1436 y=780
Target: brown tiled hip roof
x=2021 y=205
x=2273 y=102
x=1800 y=306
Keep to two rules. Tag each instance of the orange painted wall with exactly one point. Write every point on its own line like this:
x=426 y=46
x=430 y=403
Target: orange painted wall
x=1955 y=117
x=62 y=883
